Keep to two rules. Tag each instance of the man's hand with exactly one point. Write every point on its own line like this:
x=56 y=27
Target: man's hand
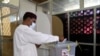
x=37 y=45
x=61 y=38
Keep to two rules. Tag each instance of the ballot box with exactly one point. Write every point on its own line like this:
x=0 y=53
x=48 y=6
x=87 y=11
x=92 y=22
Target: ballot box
x=62 y=49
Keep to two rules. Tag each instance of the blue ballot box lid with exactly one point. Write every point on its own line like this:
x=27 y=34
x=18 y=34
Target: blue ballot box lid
x=67 y=43
x=63 y=44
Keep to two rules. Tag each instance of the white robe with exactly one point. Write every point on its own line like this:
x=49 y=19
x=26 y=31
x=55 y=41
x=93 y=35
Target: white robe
x=25 y=39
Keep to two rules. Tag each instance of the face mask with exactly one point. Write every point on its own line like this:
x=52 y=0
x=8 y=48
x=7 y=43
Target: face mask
x=33 y=26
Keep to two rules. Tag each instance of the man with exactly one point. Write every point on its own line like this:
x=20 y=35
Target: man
x=25 y=38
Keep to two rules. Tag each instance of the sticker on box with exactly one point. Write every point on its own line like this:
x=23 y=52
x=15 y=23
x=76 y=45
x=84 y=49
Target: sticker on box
x=65 y=52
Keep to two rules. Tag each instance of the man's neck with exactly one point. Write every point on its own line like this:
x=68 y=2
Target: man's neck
x=25 y=24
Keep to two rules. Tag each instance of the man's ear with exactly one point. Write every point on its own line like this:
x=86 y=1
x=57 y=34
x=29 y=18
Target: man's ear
x=28 y=19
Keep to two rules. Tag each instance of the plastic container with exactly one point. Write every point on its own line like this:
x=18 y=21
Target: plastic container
x=63 y=49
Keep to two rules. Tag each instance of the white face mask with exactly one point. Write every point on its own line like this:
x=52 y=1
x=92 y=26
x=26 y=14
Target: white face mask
x=33 y=26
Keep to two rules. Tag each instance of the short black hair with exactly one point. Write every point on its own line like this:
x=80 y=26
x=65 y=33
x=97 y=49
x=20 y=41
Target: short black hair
x=29 y=15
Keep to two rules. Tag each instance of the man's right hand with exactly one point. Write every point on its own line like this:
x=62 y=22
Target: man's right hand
x=38 y=45
x=61 y=38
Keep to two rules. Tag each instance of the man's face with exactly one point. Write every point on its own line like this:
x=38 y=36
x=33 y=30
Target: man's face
x=31 y=20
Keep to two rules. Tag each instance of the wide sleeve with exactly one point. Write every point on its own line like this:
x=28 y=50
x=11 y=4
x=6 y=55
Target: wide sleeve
x=32 y=36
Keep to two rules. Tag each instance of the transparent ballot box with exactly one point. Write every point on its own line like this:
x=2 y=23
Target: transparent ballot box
x=62 y=49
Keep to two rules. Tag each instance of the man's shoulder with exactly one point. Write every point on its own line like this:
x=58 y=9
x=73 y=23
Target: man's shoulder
x=18 y=27
x=22 y=27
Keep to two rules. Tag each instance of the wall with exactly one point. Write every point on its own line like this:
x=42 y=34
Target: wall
x=57 y=26
x=43 y=22
x=6 y=44
x=14 y=2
